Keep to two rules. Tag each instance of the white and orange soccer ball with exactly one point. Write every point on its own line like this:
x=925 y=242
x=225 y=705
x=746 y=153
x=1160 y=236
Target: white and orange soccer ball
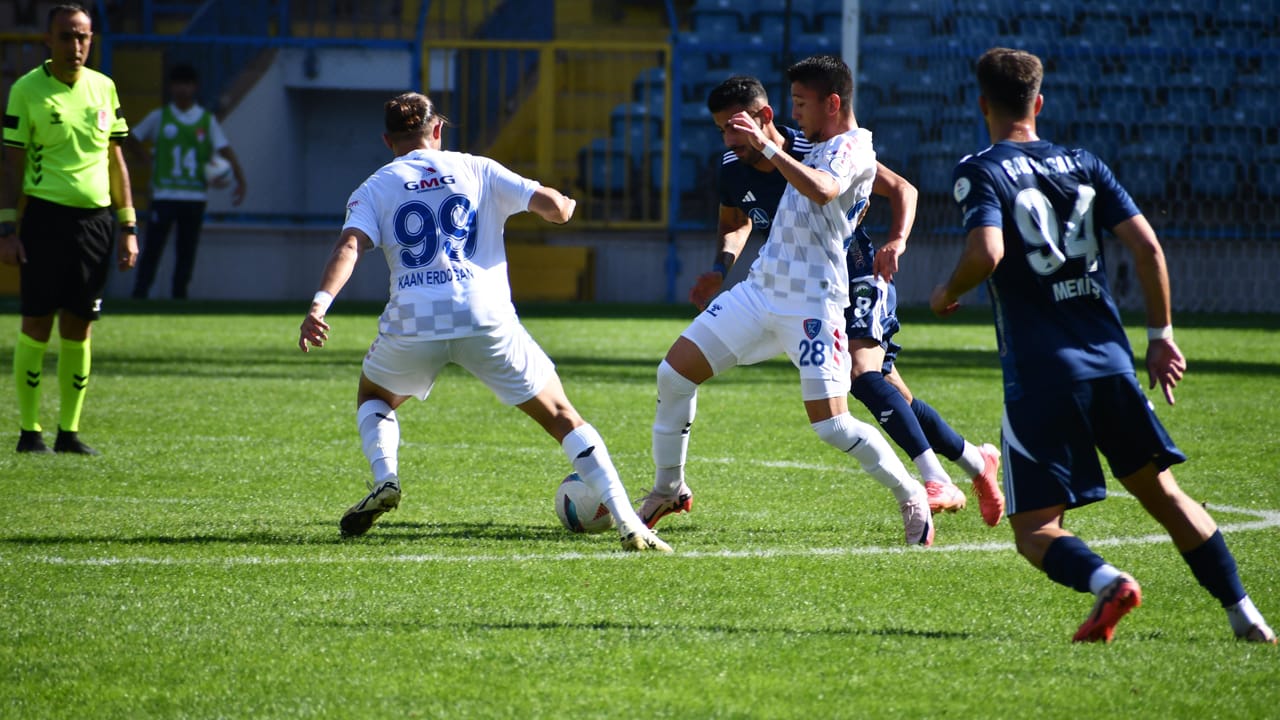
x=579 y=507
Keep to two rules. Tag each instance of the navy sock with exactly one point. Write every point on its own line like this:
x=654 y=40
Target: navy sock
x=1215 y=567
x=890 y=409
x=1070 y=562
x=945 y=441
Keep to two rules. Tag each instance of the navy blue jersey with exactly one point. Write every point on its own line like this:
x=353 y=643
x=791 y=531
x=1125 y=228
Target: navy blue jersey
x=1055 y=318
x=754 y=192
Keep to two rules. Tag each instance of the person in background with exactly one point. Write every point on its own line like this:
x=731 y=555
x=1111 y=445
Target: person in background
x=184 y=137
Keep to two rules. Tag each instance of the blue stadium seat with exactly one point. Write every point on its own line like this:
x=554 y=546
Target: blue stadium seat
x=1212 y=175
x=1104 y=30
x=1144 y=169
x=1165 y=134
x=1186 y=96
x=719 y=22
x=1101 y=138
x=773 y=22
x=932 y=166
x=983 y=27
x=1039 y=28
x=760 y=65
x=1266 y=170
x=649 y=88
x=1122 y=98
x=1171 y=29
x=903 y=22
x=636 y=126
x=815 y=43
x=604 y=167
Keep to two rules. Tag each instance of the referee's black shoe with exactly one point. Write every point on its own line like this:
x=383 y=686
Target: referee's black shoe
x=69 y=442
x=31 y=441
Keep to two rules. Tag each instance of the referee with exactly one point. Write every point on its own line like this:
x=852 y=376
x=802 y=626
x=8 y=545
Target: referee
x=62 y=129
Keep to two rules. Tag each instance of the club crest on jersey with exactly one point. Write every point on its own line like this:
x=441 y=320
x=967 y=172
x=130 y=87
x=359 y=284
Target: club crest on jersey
x=759 y=218
x=812 y=327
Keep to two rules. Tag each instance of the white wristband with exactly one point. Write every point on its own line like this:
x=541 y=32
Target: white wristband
x=323 y=300
x=769 y=150
x=1160 y=333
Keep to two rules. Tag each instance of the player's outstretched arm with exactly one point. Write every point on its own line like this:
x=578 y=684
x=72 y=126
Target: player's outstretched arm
x=983 y=250
x=342 y=261
x=552 y=205
x=903 y=198
x=1165 y=361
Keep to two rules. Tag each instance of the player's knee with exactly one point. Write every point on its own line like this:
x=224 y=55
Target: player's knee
x=672 y=384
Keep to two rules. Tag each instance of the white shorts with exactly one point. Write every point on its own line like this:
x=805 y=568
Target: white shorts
x=506 y=359
x=739 y=328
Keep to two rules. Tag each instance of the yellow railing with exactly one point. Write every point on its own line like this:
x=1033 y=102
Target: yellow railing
x=546 y=110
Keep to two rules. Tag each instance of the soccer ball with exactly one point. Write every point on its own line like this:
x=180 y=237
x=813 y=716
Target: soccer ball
x=218 y=172
x=579 y=507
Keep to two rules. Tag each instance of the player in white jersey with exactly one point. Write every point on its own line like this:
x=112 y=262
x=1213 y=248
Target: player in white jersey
x=438 y=217
x=793 y=300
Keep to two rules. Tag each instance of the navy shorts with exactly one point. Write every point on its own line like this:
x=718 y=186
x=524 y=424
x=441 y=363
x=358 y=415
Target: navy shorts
x=68 y=258
x=872 y=313
x=1052 y=440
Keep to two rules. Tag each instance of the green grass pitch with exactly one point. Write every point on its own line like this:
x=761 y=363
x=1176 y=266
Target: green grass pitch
x=195 y=569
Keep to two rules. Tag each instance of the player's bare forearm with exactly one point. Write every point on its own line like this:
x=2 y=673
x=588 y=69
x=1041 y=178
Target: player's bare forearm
x=118 y=171
x=984 y=248
x=1137 y=235
x=903 y=200
x=314 y=331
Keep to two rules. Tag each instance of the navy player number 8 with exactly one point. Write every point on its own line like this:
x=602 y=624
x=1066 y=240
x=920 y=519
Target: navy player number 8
x=1052 y=243
x=421 y=231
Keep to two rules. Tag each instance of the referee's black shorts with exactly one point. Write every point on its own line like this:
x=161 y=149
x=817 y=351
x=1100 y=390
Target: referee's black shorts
x=68 y=257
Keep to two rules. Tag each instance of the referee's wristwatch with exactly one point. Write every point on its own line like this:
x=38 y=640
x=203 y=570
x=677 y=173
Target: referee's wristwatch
x=129 y=229
x=7 y=229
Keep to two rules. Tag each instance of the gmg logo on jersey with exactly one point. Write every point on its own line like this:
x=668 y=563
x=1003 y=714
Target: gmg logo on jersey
x=429 y=181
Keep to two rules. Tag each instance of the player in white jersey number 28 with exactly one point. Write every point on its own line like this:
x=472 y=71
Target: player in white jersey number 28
x=793 y=301
x=438 y=216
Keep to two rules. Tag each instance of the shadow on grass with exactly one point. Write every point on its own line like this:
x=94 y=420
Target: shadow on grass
x=611 y=626
x=382 y=533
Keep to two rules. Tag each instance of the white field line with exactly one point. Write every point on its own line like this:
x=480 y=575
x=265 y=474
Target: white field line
x=1266 y=519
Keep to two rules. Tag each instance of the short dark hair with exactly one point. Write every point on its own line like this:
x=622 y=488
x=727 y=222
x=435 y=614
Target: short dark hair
x=737 y=91
x=410 y=114
x=183 y=73
x=1010 y=80
x=827 y=74
x=67 y=8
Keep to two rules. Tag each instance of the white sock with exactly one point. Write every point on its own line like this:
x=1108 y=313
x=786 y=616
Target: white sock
x=1243 y=615
x=970 y=460
x=585 y=449
x=1102 y=577
x=380 y=437
x=866 y=445
x=677 y=406
x=929 y=467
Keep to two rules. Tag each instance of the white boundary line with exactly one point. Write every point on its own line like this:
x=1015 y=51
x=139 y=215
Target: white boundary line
x=1265 y=519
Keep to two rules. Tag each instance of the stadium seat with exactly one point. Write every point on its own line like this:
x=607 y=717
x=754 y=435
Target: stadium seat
x=649 y=89
x=1144 y=169
x=773 y=22
x=1124 y=99
x=1103 y=30
x=1212 y=175
x=717 y=18
x=932 y=166
x=1038 y=28
x=604 y=167
x=760 y=65
x=903 y=22
x=1266 y=179
x=977 y=26
x=634 y=119
x=1169 y=29
x=1100 y=138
